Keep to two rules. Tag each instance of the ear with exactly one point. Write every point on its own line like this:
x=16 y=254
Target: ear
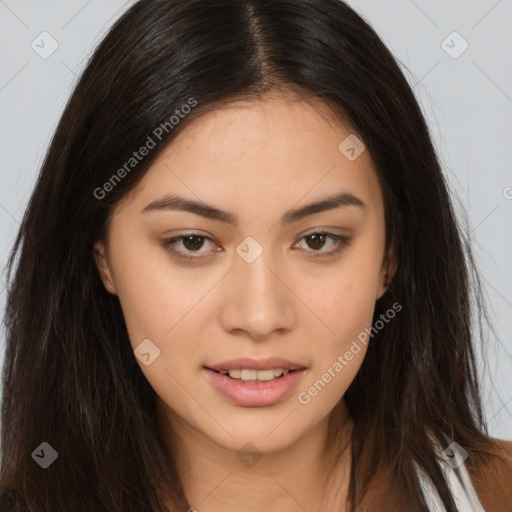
x=102 y=263
x=387 y=271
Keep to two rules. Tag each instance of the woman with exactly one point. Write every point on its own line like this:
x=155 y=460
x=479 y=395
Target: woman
x=240 y=281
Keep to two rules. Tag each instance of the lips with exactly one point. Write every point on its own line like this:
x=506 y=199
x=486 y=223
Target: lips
x=254 y=393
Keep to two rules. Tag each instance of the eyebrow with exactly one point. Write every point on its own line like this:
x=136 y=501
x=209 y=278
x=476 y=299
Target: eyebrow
x=173 y=202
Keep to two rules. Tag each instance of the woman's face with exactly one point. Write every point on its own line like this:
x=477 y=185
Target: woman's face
x=249 y=280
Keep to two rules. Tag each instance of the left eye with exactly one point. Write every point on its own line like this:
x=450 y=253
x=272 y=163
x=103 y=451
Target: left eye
x=194 y=242
x=317 y=241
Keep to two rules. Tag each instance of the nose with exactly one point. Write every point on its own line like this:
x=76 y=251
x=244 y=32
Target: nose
x=257 y=301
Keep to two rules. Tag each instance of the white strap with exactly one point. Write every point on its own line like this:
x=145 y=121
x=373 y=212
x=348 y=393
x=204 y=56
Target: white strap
x=461 y=487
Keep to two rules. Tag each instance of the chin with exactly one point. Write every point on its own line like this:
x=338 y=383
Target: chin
x=269 y=433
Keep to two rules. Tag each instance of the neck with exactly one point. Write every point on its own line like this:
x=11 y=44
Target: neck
x=310 y=474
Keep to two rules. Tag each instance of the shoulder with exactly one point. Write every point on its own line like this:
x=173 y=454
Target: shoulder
x=382 y=484
x=494 y=485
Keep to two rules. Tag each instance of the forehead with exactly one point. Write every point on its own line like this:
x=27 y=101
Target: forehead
x=276 y=151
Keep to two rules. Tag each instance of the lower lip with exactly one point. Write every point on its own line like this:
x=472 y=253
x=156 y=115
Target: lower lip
x=254 y=394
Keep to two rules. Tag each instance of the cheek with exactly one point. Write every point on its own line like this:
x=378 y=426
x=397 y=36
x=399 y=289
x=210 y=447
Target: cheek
x=154 y=297
x=345 y=302
x=346 y=298
x=161 y=306
x=347 y=308
x=165 y=306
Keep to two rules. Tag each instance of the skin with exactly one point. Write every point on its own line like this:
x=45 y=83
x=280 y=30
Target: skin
x=258 y=160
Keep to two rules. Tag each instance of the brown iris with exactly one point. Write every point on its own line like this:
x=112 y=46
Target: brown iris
x=318 y=239
x=193 y=242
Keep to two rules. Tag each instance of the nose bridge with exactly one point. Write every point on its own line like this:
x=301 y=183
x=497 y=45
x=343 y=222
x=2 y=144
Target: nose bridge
x=258 y=302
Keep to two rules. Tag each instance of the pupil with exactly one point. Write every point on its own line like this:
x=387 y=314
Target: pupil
x=317 y=239
x=193 y=242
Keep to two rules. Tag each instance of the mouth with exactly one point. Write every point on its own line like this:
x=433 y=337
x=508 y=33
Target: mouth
x=255 y=383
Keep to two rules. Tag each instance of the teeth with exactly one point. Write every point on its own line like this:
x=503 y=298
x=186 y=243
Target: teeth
x=248 y=375
x=265 y=375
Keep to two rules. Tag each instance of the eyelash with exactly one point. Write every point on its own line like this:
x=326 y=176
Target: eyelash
x=340 y=240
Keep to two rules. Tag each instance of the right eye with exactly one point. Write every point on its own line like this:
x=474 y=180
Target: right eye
x=191 y=242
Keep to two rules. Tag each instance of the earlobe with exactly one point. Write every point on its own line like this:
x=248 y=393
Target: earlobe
x=388 y=270
x=101 y=260
x=383 y=286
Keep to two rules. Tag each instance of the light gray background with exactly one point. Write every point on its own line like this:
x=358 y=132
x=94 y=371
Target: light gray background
x=467 y=101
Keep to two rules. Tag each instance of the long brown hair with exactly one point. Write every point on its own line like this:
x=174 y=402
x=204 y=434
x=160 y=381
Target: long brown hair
x=70 y=377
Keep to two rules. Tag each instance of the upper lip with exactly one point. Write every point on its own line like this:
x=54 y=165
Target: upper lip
x=256 y=364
